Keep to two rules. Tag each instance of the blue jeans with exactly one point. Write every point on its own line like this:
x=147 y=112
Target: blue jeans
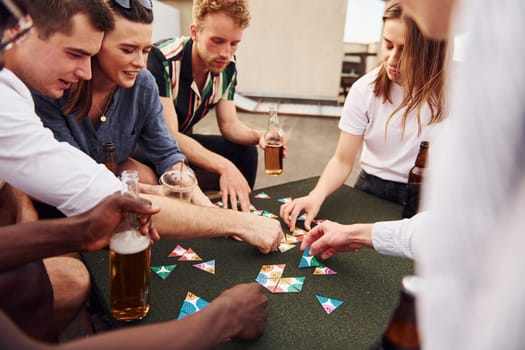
x=390 y=190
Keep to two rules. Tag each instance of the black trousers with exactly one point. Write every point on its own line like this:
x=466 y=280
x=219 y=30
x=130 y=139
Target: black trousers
x=390 y=190
x=243 y=156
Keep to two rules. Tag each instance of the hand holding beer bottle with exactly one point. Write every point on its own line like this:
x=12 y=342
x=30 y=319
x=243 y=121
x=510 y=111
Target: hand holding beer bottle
x=129 y=262
x=273 y=150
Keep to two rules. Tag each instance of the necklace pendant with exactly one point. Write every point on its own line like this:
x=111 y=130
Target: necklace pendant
x=103 y=118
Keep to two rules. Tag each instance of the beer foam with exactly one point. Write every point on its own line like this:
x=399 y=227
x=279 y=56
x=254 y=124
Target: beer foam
x=128 y=242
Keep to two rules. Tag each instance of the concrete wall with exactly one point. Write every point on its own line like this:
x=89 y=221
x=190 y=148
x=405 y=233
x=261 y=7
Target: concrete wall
x=185 y=10
x=166 y=22
x=292 y=48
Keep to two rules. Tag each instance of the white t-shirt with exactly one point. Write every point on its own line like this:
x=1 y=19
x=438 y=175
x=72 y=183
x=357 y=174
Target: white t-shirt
x=385 y=155
x=471 y=252
x=34 y=162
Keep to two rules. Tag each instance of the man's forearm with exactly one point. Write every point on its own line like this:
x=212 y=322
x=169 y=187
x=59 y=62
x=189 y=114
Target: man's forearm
x=178 y=219
x=241 y=134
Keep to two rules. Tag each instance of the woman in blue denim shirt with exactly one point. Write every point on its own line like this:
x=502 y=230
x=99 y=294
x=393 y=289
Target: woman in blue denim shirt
x=120 y=103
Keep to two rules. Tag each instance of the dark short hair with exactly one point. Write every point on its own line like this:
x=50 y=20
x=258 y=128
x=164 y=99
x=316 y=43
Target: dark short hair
x=52 y=16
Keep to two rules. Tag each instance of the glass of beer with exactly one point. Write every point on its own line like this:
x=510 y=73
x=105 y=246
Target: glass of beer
x=129 y=275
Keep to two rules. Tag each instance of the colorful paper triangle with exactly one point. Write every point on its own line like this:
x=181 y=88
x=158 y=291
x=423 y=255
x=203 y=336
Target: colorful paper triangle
x=323 y=270
x=291 y=239
x=284 y=247
x=299 y=232
x=285 y=200
x=208 y=266
x=289 y=285
x=308 y=260
x=163 y=271
x=191 y=305
x=270 y=277
x=178 y=251
x=262 y=195
x=329 y=305
x=190 y=255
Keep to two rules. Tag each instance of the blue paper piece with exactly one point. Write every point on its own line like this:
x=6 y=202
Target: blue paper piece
x=308 y=260
x=329 y=305
x=191 y=305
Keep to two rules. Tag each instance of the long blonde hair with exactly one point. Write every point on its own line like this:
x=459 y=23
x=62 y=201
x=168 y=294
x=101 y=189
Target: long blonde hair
x=423 y=65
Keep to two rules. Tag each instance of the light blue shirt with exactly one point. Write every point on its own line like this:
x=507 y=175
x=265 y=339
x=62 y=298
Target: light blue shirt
x=133 y=118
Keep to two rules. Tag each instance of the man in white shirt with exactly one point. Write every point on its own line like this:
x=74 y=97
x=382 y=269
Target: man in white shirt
x=469 y=251
x=55 y=54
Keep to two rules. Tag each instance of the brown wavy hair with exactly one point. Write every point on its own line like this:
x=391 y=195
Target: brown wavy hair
x=423 y=66
x=81 y=94
x=236 y=9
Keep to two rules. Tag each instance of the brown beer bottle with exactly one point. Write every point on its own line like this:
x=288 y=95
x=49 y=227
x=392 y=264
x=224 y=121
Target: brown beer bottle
x=273 y=152
x=415 y=181
x=108 y=156
x=401 y=332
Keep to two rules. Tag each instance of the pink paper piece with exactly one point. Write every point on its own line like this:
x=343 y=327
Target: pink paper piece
x=208 y=266
x=189 y=255
x=323 y=270
x=262 y=195
x=329 y=304
x=178 y=251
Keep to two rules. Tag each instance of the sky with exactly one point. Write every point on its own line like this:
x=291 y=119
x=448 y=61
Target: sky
x=363 y=20
x=364 y=23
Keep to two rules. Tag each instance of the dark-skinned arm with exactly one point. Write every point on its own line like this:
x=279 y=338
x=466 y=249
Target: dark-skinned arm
x=239 y=312
x=89 y=231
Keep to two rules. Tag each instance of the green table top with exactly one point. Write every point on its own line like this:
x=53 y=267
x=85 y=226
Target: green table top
x=367 y=282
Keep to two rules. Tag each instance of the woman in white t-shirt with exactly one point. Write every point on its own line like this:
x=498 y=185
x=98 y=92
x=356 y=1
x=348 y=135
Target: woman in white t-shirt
x=387 y=112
